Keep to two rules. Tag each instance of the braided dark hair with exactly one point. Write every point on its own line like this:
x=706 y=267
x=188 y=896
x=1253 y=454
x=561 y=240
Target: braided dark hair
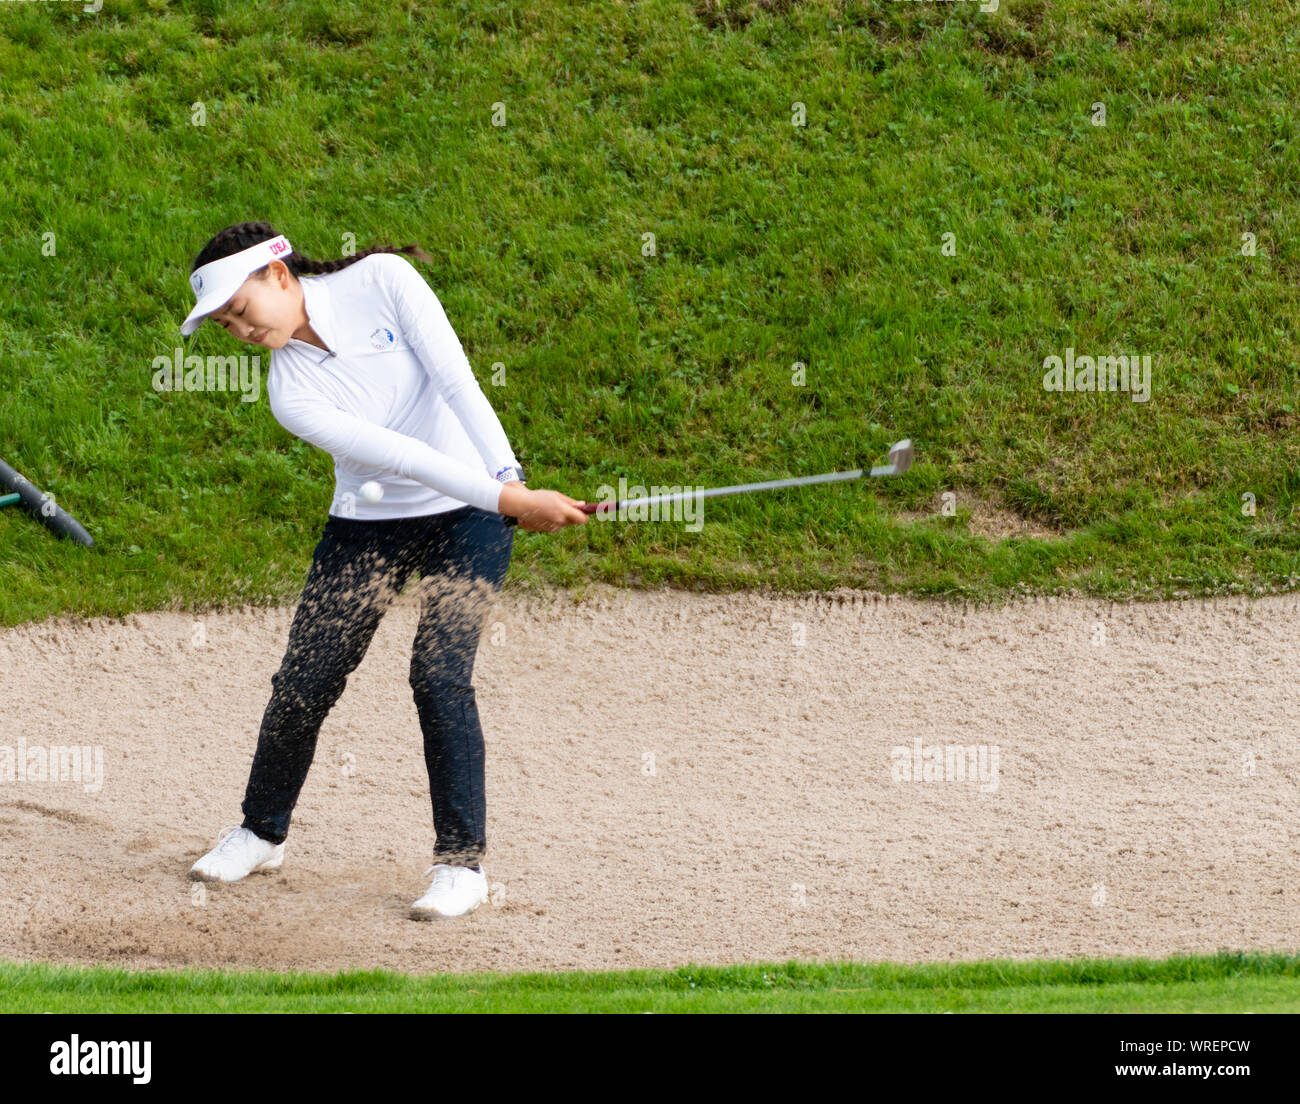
x=243 y=235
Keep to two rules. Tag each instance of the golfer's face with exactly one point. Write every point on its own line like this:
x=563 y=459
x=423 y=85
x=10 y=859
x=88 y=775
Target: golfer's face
x=259 y=313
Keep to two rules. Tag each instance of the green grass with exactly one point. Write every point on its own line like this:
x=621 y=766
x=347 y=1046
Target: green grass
x=1224 y=982
x=776 y=246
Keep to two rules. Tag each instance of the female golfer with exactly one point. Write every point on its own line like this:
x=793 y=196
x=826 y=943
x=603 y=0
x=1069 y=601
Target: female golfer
x=366 y=366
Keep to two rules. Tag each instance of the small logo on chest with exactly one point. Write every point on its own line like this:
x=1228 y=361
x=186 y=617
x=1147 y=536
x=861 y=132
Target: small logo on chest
x=382 y=339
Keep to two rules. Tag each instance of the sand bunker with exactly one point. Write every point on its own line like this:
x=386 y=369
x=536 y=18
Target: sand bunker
x=676 y=778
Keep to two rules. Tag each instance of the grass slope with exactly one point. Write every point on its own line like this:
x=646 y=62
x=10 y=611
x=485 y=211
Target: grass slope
x=777 y=249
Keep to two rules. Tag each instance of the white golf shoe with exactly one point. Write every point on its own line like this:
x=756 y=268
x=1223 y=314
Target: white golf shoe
x=456 y=890
x=238 y=852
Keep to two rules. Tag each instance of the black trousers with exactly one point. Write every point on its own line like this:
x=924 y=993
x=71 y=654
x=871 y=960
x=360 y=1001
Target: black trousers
x=358 y=568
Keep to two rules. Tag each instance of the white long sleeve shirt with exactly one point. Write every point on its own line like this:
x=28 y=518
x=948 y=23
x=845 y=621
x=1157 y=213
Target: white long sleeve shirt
x=394 y=400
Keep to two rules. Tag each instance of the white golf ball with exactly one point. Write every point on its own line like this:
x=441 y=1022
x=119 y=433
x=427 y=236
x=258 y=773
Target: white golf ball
x=372 y=491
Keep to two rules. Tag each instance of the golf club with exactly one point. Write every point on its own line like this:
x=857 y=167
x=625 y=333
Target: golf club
x=17 y=490
x=900 y=459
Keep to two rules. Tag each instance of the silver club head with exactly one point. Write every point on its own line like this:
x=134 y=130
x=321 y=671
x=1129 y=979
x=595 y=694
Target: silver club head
x=900 y=459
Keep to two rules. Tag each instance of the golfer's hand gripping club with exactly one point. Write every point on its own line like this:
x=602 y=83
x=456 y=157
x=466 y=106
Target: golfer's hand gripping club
x=540 y=511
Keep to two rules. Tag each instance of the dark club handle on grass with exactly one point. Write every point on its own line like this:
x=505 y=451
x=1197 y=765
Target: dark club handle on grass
x=23 y=491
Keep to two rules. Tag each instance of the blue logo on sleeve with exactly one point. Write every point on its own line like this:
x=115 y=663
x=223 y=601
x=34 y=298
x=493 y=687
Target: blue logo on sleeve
x=382 y=339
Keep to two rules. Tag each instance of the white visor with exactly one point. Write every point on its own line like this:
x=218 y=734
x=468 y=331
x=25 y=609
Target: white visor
x=215 y=282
